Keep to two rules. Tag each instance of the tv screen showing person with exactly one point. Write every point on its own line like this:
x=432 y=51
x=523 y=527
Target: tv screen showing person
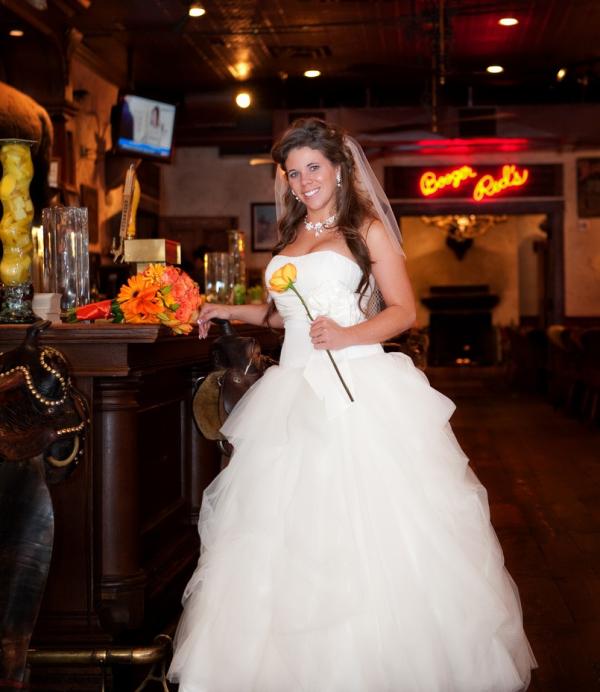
x=146 y=126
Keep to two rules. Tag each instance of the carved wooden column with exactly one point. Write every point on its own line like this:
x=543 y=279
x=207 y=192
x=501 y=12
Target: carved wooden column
x=117 y=480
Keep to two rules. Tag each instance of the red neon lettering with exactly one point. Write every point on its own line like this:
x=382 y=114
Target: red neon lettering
x=430 y=183
x=488 y=186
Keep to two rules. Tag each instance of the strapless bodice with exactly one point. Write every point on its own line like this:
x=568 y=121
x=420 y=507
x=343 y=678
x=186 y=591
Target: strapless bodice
x=327 y=281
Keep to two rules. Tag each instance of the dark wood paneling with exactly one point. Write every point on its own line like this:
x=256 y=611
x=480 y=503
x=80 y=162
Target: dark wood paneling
x=126 y=539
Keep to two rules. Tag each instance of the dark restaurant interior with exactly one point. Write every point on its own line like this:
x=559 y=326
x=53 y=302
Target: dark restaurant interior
x=481 y=119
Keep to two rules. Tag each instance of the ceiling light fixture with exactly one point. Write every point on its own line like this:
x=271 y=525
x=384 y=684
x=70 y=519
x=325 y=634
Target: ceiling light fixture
x=312 y=73
x=494 y=69
x=241 y=70
x=17 y=33
x=196 y=10
x=508 y=21
x=561 y=74
x=243 y=99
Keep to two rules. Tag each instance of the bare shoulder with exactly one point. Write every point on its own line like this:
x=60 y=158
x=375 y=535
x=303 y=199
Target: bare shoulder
x=377 y=239
x=389 y=267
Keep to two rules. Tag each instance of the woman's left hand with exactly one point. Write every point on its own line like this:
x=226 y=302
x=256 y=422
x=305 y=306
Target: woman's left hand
x=325 y=333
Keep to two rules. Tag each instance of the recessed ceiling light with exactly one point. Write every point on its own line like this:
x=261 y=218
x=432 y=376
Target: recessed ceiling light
x=243 y=99
x=312 y=73
x=16 y=32
x=494 y=69
x=508 y=21
x=561 y=74
x=196 y=10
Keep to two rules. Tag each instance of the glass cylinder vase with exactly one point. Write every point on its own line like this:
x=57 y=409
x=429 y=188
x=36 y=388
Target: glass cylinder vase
x=218 y=277
x=15 y=231
x=236 y=241
x=66 y=255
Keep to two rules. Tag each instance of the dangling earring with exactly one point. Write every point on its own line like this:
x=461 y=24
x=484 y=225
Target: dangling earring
x=295 y=196
x=338 y=179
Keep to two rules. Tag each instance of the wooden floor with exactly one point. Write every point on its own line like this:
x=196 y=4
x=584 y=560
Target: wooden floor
x=542 y=473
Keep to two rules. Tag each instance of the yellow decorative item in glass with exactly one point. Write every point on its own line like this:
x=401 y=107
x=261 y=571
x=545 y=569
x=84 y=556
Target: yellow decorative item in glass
x=15 y=231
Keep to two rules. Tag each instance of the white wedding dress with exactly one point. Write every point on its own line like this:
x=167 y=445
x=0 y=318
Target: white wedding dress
x=347 y=547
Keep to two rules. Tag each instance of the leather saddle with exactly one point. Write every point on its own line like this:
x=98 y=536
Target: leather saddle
x=237 y=365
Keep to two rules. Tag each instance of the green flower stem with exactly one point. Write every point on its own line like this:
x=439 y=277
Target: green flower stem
x=291 y=285
x=311 y=318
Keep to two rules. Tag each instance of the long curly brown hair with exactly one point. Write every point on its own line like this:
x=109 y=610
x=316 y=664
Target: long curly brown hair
x=353 y=210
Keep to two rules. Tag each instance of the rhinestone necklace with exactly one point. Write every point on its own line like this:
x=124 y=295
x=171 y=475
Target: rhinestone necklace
x=319 y=226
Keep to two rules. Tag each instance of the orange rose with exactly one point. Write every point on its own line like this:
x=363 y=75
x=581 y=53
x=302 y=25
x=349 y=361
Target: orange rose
x=283 y=278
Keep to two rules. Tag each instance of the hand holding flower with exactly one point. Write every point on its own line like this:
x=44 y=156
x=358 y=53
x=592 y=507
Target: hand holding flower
x=282 y=280
x=326 y=333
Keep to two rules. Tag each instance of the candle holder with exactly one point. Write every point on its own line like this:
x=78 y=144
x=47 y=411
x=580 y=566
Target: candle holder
x=15 y=231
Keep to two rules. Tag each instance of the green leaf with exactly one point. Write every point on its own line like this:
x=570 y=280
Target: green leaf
x=117 y=313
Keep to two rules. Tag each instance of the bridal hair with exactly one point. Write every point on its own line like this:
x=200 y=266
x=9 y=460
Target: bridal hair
x=353 y=208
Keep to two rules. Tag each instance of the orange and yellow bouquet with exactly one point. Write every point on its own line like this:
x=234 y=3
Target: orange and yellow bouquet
x=159 y=295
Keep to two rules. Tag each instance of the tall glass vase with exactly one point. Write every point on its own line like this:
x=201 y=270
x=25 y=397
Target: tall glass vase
x=218 y=277
x=66 y=257
x=15 y=231
x=236 y=241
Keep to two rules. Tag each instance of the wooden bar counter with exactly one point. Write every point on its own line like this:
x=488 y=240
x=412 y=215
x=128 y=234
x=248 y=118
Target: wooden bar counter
x=125 y=536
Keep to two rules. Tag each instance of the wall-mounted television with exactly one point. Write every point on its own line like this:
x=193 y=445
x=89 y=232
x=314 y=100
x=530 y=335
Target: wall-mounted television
x=143 y=127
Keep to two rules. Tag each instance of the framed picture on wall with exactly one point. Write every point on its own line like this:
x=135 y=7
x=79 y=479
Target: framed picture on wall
x=588 y=187
x=264 y=226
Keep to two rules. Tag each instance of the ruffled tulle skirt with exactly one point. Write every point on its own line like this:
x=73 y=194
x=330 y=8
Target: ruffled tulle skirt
x=349 y=552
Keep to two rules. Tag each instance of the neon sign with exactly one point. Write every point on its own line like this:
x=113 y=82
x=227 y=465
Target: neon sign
x=487 y=185
x=430 y=183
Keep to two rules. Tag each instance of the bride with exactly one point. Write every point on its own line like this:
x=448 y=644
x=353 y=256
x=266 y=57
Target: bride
x=347 y=547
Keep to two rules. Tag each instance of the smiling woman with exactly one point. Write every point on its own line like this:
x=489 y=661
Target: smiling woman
x=347 y=538
x=313 y=180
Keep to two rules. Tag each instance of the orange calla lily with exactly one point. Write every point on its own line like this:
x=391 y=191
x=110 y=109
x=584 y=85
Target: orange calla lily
x=283 y=278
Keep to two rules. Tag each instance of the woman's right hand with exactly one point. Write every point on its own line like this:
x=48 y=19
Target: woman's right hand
x=211 y=311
